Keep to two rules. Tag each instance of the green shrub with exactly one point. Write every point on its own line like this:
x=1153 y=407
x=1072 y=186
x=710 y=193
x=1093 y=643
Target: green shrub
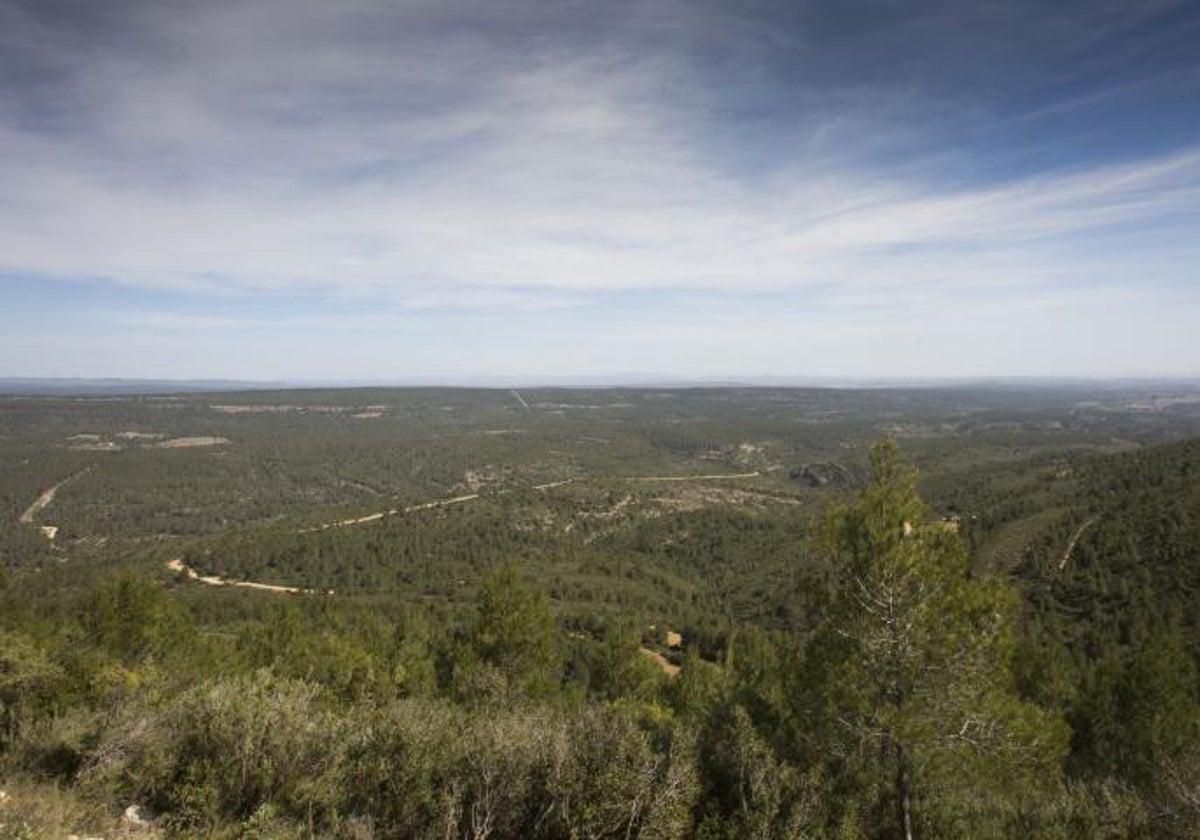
x=226 y=749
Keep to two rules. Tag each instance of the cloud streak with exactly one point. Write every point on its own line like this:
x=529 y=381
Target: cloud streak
x=521 y=157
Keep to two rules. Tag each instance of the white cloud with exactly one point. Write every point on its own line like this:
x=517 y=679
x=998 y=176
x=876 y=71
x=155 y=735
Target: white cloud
x=428 y=159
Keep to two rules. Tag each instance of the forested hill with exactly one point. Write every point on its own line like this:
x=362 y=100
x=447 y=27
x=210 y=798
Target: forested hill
x=711 y=616
x=1113 y=635
x=1126 y=562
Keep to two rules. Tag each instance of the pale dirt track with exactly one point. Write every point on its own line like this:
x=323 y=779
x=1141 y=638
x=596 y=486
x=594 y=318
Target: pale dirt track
x=191 y=442
x=178 y=565
x=375 y=517
x=1062 y=564
x=43 y=501
x=457 y=500
x=754 y=474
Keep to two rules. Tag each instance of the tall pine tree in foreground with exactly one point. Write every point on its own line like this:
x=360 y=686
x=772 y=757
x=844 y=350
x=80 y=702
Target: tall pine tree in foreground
x=915 y=698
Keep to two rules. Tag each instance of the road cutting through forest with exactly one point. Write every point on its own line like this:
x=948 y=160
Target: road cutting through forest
x=754 y=474
x=1062 y=564
x=177 y=565
x=375 y=517
x=43 y=501
x=457 y=500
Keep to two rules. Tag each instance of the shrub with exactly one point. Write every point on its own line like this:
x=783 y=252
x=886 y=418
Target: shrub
x=224 y=750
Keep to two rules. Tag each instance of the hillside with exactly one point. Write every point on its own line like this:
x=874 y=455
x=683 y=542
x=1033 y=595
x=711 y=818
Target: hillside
x=384 y=613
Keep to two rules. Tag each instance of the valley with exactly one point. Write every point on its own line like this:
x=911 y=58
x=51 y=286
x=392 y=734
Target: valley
x=665 y=559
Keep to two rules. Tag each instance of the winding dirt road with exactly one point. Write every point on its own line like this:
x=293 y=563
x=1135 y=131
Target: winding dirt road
x=43 y=501
x=1062 y=564
x=458 y=500
x=177 y=565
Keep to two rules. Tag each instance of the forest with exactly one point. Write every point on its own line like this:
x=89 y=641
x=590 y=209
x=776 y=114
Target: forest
x=657 y=613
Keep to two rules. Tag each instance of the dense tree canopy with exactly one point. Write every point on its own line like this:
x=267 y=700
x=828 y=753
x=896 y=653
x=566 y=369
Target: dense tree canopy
x=915 y=665
x=710 y=615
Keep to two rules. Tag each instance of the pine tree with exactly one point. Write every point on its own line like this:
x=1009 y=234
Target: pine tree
x=918 y=696
x=514 y=636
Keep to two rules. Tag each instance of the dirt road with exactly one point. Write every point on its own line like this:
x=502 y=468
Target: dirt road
x=178 y=565
x=458 y=500
x=375 y=517
x=553 y=484
x=754 y=474
x=43 y=501
x=1062 y=564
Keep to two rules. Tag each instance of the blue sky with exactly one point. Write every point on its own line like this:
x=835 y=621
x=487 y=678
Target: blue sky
x=433 y=189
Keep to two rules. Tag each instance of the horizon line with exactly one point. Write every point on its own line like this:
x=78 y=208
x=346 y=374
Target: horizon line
x=141 y=386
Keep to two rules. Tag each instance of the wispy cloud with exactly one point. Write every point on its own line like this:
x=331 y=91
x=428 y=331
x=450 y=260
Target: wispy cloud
x=523 y=157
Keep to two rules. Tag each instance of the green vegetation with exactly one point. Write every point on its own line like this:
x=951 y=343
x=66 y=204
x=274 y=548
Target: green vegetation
x=498 y=657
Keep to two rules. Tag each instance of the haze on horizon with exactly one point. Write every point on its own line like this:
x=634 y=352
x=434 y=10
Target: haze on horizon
x=371 y=190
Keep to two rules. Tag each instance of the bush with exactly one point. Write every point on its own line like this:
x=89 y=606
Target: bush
x=429 y=769
x=224 y=750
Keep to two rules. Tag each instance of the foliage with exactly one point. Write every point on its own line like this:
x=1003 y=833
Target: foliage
x=491 y=668
x=915 y=665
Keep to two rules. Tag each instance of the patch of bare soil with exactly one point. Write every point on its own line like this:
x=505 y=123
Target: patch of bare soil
x=352 y=410
x=100 y=446
x=667 y=666
x=253 y=409
x=486 y=476
x=189 y=442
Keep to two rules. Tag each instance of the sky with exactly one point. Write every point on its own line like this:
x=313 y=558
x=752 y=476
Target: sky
x=440 y=190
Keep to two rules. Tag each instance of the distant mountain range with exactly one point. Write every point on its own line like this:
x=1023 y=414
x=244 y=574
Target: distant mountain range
x=90 y=387
x=32 y=386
